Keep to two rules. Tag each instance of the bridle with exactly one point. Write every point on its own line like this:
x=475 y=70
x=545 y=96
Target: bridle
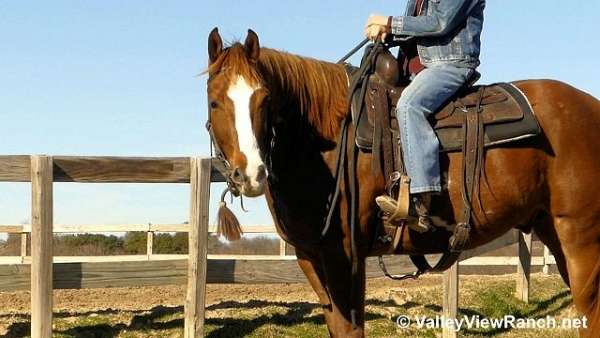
x=218 y=154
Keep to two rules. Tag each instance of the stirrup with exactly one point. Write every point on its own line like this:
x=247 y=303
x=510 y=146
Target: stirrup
x=390 y=208
x=397 y=210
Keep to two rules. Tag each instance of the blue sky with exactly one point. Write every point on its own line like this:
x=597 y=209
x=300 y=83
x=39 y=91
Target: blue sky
x=119 y=78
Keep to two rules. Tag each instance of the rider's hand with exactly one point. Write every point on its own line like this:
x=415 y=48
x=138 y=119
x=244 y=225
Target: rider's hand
x=376 y=26
x=375 y=19
x=374 y=31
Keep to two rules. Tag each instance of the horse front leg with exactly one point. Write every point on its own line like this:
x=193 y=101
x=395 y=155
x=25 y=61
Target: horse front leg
x=338 y=324
x=338 y=275
x=311 y=266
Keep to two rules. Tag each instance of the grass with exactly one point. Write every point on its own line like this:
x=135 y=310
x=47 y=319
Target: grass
x=486 y=297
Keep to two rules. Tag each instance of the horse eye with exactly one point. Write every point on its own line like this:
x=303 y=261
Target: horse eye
x=213 y=104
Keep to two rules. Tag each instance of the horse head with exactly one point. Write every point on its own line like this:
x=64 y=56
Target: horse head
x=237 y=97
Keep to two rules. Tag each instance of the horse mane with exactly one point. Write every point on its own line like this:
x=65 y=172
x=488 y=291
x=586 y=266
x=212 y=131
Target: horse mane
x=319 y=87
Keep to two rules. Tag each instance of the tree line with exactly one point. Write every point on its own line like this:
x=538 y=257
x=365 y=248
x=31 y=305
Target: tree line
x=134 y=243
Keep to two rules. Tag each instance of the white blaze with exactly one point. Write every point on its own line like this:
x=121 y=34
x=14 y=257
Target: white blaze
x=240 y=93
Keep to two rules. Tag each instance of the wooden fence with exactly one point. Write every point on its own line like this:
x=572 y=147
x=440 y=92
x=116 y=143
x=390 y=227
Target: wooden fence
x=38 y=273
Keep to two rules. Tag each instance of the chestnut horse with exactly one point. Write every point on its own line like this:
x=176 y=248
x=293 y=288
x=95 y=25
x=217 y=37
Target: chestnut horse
x=276 y=117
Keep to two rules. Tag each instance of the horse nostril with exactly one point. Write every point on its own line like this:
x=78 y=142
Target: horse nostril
x=237 y=176
x=262 y=173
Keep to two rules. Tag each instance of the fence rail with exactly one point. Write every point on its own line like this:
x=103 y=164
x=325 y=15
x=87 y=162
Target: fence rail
x=546 y=260
x=41 y=271
x=106 y=169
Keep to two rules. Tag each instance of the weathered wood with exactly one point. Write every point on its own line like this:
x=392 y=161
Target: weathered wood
x=12 y=229
x=546 y=268
x=198 y=242
x=149 y=243
x=169 y=227
x=99 y=275
x=164 y=272
x=15 y=168
x=508 y=238
x=217 y=167
x=23 y=250
x=281 y=247
x=450 y=303
x=119 y=169
x=60 y=228
x=502 y=261
x=474 y=261
x=524 y=267
x=106 y=169
x=84 y=228
x=41 y=246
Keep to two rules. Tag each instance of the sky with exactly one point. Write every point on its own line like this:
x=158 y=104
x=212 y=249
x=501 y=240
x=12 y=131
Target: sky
x=121 y=78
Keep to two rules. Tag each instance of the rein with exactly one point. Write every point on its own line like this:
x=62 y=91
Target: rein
x=366 y=67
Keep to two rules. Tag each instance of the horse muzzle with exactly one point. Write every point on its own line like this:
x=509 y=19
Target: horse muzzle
x=252 y=185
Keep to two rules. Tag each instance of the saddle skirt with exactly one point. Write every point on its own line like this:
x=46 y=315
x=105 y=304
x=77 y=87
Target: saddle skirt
x=504 y=110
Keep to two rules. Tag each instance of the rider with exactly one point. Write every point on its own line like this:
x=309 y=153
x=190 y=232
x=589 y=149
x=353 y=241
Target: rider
x=447 y=34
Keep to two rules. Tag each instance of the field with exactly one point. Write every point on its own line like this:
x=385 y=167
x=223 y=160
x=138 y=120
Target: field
x=287 y=310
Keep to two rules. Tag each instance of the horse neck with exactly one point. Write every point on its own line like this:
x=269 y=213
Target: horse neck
x=315 y=90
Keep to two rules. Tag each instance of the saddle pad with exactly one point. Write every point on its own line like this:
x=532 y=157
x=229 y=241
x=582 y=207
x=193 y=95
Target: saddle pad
x=506 y=113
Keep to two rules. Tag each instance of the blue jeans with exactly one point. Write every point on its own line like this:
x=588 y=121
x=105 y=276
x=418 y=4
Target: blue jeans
x=425 y=95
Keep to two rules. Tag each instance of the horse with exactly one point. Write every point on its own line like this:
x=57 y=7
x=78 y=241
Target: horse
x=276 y=118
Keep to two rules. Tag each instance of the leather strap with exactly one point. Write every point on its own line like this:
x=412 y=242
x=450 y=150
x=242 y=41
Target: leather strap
x=418 y=7
x=471 y=168
x=374 y=108
x=403 y=201
x=446 y=261
x=386 y=133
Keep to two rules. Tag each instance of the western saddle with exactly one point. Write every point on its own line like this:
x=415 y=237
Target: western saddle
x=475 y=118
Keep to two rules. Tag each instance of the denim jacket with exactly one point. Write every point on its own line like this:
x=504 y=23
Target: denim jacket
x=447 y=31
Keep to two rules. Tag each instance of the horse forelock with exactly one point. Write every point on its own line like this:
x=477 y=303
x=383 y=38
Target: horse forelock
x=233 y=63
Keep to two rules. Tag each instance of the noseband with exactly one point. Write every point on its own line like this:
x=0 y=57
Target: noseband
x=225 y=168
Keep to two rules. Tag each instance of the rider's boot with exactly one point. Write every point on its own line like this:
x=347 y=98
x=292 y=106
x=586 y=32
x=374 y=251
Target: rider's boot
x=419 y=208
x=422 y=204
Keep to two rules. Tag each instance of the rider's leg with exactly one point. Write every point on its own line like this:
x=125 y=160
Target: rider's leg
x=425 y=95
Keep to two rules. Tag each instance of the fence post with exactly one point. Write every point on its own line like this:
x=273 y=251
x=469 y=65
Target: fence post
x=41 y=246
x=524 y=266
x=450 y=299
x=149 y=243
x=282 y=247
x=23 y=247
x=546 y=268
x=200 y=170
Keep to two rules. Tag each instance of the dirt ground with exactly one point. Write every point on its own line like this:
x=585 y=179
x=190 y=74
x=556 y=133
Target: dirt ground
x=277 y=310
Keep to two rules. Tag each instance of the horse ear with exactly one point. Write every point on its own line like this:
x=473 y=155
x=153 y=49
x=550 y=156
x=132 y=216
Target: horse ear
x=252 y=45
x=215 y=45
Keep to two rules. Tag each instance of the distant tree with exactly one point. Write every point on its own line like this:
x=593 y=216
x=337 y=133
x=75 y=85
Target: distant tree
x=171 y=244
x=87 y=244
x=10 y=246
x=135 y=243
